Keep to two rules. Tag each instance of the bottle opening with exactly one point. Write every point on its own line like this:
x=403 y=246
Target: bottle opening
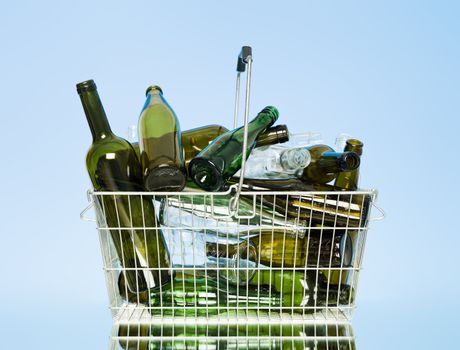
x=85 y=86
x=154 y=88
x=350 y=161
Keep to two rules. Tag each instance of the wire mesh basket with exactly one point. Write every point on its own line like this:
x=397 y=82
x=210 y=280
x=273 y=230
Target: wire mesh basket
x=244 y=269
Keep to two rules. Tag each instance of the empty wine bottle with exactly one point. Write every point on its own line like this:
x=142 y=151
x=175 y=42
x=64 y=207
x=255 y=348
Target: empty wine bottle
x=222 y=158
x=320 y=248
x=348 y=180
x=303 y=291
x=113 y=166
x=160 y=144
x=274 y=289
x=276 y=162
x=195 y=140
x=326 y=164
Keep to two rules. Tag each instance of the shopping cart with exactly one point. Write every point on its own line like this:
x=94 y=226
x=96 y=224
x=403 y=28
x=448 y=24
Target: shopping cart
x=243 y=268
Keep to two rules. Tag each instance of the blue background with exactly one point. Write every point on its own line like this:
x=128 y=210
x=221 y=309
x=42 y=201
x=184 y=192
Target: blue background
x=386 y=72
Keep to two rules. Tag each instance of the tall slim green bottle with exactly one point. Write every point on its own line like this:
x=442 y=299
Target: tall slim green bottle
x=113 y=166
x=326 y=164
x=160 y=144
x=348 y=180
x=222 y=158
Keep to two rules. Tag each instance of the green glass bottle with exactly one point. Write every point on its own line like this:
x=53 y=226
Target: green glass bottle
x=270 y=289
x=348 y=180
x=222 y=158
x=326 y=164
x=303 y=291
x=160 y=144
x=196 y=140
x=113 y=166
x=320 y=248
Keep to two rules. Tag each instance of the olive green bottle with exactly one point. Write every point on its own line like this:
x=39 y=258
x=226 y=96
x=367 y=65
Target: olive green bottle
x=326 y=164
x=320 y=248
x=113 y=166
x=222 y=158
x=348 y=180
x=303 y=291
x=160 y=144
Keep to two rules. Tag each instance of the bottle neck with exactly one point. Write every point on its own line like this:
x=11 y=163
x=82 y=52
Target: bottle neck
x=95 y=114
x=295 y=158
x=265 y=119
x=273 y=135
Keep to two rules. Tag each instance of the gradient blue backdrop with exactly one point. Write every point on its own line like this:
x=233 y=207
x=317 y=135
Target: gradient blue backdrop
x=384 y=71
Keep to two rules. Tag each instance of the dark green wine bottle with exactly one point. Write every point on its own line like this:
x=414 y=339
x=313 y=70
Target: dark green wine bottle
x=196 y=140
x=160 y=144
x=222 y=158
x=348 y=180
x=326 y=164
x=113 y=166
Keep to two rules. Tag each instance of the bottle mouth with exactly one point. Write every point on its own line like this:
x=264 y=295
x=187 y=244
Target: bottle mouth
x=85 y=86
x=153 y=87
x=350 y=161
x=206 y=174
x=354 y=145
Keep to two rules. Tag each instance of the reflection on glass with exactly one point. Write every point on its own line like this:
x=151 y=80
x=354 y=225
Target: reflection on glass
x=312 y=336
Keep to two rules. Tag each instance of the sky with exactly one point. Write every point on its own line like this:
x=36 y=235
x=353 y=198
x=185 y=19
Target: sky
x=386 y=72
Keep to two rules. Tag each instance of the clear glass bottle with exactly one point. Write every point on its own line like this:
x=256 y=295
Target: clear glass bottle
x=276 y=162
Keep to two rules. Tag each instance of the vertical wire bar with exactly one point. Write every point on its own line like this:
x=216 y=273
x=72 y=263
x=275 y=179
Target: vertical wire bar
x=237 y=100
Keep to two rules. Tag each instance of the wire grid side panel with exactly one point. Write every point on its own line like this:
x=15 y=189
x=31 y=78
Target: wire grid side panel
x=253 y=336
x=283 y=254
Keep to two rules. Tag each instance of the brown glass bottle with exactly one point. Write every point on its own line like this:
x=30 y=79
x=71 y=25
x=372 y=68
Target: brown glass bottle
x=326 y=164
x=348 y=180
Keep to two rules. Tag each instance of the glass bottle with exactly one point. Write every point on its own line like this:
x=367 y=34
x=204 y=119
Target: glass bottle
x=276 y=162
x=326 y=164
x=222 y=158
x=320 y=248
x=213 y=217
x=160 y=144
x=348 y=180
x=113 y=166
x=195 y=140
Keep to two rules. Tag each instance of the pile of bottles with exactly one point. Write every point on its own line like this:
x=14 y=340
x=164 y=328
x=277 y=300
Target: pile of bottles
x=286 y=249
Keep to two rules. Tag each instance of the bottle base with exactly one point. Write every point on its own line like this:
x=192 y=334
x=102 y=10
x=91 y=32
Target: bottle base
x=167 y=179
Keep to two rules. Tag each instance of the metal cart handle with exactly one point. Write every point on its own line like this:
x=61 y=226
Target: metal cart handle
x=244 y=59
